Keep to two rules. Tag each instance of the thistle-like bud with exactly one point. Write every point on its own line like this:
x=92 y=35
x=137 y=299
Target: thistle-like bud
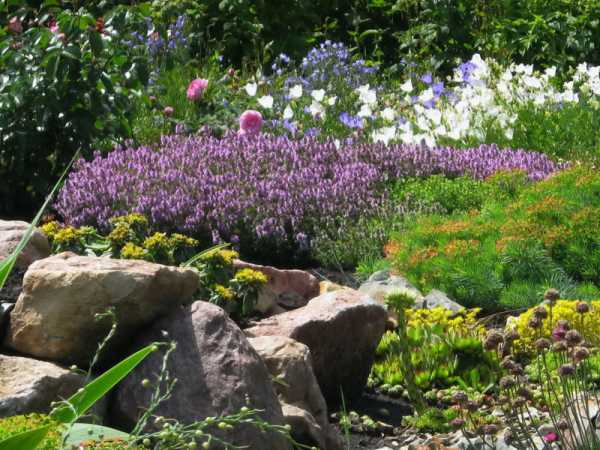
x=540 y=312
x=457 y=423
x=511 y=335
x=573 y=337
x=566 y=370
x=460 y=398
x=542 y=344
x=580 y=354
x=507 y=382
x=582 y=307
x=534 y=322
x=551 y=295
x=490 y=429
x=492 y=340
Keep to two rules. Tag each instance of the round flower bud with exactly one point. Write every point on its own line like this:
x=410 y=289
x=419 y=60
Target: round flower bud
x=460 y=398
x=551 y=295
x=566 y=370
x=534 y=322
x=582 y=307
x=517 y=370
x=472 y=406
x=507 y=382
x=542 y=344
x=562 y=424
x=519 y=402
x=540 y=312
x=573 y=337
x=146 y=383
x=559 y=347
x=511 y=335
x=457 y=423
x=492 y=340
x=525 y=393
x=580 y=353
x=490 y=429
x=507 y=363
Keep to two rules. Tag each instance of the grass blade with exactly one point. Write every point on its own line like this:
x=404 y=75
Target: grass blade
x=28 y=440
x=81 y=401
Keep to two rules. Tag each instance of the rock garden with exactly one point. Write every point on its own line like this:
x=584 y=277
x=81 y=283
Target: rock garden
x=328 y=225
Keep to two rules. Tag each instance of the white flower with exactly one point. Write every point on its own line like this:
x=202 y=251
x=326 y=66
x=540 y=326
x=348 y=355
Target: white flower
x=318 y=94
x=385 y=134
x=434 y=115
x=288 y=113
x=532 y=82
x=296 y=91
x=337 y=143
x=388 y=114
x=365 y=111
x=509 y=133
x=366 y=95
x=426 y=95
x=550 y=72
x=407 y=86
x=316 y=109
x=331 y=100
x=251 y=89
x=266 y=101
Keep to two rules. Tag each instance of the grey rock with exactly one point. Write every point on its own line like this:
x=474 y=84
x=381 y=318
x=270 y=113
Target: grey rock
x=28 y=385
x=11 y=232
x=383 y=283
x=54 y=317
x=218 y=373
x=342 y=330
x=437 y=298
x=303 y=405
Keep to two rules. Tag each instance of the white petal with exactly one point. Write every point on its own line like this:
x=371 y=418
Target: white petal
x=251 y=89
x=296 y=91
x=266 y=101
x=288 y=113
x=318 y=94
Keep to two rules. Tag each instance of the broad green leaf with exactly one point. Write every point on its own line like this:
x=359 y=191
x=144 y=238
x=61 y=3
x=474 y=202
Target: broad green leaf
x=86 y=432
x=7 y=264
x=28 y=440
x=95 y=390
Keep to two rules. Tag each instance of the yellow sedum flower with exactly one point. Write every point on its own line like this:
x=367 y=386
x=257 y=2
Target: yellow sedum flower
x=120 y=234
x=586 y=324
x=224 y=292
x=157 y=242
x=179 y=240
x=220 y=258
x=462 y=323
x=51 y=228
x=67 y=236
x=249 y=276
x=135 y=220
x=132 y=251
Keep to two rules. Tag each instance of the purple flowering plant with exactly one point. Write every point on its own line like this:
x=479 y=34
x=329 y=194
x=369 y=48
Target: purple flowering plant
x=262 y=188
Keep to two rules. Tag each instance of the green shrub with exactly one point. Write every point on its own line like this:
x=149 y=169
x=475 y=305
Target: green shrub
x=507 y=253
x=60 y=89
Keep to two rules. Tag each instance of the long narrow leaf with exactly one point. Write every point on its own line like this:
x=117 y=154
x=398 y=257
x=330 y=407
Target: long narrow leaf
x=7 y=265
x=208 y=251
x=28 y=440
x=81 y=401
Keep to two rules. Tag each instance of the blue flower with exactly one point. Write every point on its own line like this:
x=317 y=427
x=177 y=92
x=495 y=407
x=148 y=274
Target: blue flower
x=351 y=121
x=427 y=78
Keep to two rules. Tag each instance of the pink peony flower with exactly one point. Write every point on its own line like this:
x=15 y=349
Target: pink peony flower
x=15 y=26
x=53 y=26
x=551 y=437
x=250 y=122
x=168 y=111
x=196 y=88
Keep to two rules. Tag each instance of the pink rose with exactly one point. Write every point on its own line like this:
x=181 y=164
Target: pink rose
x=196 y=88
x=168 y=111
x=250 y=122
x=54 y=27
x=15 y=26
x=551 y=437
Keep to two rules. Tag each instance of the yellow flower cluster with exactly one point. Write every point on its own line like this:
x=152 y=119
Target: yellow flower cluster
x=120 y=235
x=461 y=323
x=249 y=276
x=51 y=228
x=67 y=236
x=157 y=242
x=220 y=258
x=224 y=292
x=179 y=240
x=586 y=324
x=132 y=251
x=135 y=220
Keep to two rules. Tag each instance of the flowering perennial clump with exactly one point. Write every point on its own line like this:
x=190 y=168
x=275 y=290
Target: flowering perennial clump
x=262 y=186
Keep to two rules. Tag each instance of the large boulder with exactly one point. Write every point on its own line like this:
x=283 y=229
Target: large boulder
x=28 y=385
x=217 y=371
x=285 y=289
x=342 y=330
x=11 y=232
x=54 y=317
x=303 y=405
x=438 y=299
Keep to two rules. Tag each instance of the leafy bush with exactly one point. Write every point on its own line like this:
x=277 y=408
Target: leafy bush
x=67 y=79
x=10 y=426
x=269 y=193
x=511 y=249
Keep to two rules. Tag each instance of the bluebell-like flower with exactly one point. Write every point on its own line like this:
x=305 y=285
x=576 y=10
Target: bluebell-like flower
x=427 y=78
x=351 y=121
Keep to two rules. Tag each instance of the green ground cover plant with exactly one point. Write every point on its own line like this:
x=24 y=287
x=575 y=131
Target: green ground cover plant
x=505 y=255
